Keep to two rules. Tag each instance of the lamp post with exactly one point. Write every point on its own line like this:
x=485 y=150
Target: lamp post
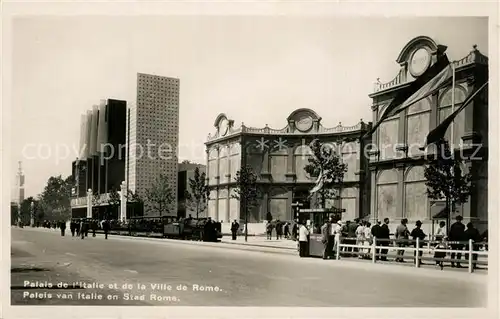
x=123 y=202
x=89 y=203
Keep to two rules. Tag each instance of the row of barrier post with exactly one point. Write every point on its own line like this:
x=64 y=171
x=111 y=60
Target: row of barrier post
x=470 y=252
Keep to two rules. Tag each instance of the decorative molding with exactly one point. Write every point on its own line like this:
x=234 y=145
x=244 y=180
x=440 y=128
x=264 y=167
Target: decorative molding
x=289 y=130
x=474 y=57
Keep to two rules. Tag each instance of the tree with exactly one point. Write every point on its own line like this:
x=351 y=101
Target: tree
x=56 y=198
x=160 y=196
x=197 y=198
x=114 y=202
x=14 y=213
x=28 y=211
x=326 y=164
x=246 y=192
x=136 y=202
x=445 y=179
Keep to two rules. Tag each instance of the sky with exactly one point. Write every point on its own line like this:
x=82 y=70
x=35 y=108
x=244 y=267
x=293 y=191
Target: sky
x=255 y=69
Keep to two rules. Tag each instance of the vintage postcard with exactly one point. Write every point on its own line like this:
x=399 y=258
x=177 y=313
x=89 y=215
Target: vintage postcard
x=289 y=159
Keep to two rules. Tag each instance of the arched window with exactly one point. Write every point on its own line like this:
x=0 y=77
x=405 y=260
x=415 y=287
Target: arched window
x=445 y=109
x=387 y=188
x=301 y=155
x=418 y=118
x=416 y=201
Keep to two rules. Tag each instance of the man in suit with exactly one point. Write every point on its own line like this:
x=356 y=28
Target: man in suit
x=384 y=234
x=234 y=229
x=375 y=231
x=457 y=234
x=327 y=238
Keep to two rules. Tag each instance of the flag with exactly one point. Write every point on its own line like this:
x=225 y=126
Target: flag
x=439 y=132
x=319 y=183
x=438 y=73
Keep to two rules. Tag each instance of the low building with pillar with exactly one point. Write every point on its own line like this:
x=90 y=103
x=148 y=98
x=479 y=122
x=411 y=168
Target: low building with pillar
x=397 y=165
x=278 y=157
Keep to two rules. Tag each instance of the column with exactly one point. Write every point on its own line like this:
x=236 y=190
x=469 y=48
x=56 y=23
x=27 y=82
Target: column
x=265 y=204
x=290 y=174
x=289 y=210
x=373 y=193
x=123 y=202
x=89 y=203
x=401 y=190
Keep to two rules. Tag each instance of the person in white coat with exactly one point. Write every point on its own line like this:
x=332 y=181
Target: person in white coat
x=303 y=240
x=360 y=237
x=337 y=232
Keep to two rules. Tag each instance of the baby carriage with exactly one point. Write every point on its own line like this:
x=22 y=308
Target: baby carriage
x=440 y=255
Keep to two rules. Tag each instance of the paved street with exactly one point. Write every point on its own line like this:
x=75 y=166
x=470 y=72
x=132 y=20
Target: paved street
x=209 y=276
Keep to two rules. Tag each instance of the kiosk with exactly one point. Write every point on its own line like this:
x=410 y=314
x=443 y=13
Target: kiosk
x=317 y=217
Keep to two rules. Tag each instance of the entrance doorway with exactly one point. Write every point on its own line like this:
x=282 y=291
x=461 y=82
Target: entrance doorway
x=302 y=196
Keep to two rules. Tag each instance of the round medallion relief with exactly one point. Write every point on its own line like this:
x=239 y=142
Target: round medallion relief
x=304 y=123
x=420 y=61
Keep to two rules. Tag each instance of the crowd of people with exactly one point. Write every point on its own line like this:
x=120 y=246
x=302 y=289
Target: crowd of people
x=362 y=233
x=281 y=229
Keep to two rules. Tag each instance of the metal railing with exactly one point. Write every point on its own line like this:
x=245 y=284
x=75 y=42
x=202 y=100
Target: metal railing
x=377 y=250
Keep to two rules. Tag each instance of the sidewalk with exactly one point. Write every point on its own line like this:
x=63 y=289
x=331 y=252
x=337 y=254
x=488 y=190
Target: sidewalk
x=260 y=241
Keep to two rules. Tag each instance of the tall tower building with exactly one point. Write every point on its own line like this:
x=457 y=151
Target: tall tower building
x=20 y=184
x=153 y=135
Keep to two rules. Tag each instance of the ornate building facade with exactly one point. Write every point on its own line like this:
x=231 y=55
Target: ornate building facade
x=396 y=165
x=278 y=157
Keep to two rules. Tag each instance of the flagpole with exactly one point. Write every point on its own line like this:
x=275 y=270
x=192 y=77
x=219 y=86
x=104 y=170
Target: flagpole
x=452 y=105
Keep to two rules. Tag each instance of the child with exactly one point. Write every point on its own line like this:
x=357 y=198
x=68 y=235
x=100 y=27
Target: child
x=441 y=254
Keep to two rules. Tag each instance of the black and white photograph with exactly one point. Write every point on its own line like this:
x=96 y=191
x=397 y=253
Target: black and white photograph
x=213 y=160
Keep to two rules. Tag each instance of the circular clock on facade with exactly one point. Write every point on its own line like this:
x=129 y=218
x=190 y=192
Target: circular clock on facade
x=304 y=123
x=223 y=127
x=419 y=62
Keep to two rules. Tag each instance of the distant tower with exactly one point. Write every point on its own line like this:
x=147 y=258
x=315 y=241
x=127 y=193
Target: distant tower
x=20 y=183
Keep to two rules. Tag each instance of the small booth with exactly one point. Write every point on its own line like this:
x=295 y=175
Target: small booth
x=317 y=217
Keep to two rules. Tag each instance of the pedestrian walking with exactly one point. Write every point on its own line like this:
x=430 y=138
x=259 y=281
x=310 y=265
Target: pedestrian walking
x=457 y=234
x=82 y=229
x=303 y=235
x=286 y=229
x=402 y=236
x=94 y=227
x=78 y=227
x=279 y=230
x=106 y=228
x=63 y=227
x=234 y=229
x=269 y=230
x=72 y=227
x=326 y=238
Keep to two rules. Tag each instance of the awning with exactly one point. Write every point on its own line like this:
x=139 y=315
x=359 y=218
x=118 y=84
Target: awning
x=441 y=215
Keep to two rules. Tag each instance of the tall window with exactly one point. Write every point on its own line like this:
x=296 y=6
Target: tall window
x=416 y=201
x=418 y=118
x=387 y=135
x=301 y=156
x=387 y=188
x=445 y=109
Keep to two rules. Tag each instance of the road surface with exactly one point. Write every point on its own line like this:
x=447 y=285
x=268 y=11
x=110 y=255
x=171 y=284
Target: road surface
x=118 y=271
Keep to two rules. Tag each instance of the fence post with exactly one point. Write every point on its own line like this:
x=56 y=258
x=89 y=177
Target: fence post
x=374 y=251
x=470 y=255
x=337 y=252
x=417 y=259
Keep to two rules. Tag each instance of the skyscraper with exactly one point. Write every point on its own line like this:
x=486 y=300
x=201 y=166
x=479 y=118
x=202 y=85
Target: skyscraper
x=153 y=135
